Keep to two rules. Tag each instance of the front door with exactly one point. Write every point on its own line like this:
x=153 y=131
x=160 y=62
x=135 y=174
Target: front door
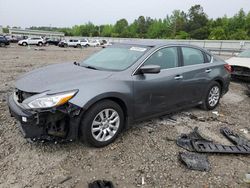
x=159 y=93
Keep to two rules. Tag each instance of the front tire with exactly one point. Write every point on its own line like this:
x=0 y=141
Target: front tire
x=24 y=44
x=212 y=97
x=2 y=44
x=102 y=123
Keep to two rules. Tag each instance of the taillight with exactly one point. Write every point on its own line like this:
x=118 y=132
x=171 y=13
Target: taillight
x=228 y=68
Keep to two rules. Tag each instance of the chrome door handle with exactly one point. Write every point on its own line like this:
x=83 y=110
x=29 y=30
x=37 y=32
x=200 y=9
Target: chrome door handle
x=178 y=77
x=208 y=70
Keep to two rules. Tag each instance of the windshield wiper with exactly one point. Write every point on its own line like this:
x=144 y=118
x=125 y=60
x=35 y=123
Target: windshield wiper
x=90 y=67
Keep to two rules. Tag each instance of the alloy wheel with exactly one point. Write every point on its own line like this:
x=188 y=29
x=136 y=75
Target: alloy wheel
x=105 y=125
x=214 y=96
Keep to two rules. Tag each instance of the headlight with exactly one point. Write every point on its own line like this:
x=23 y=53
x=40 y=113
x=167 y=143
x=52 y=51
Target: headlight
x=50 y=101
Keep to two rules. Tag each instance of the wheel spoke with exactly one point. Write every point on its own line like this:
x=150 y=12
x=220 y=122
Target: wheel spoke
x=99 y=135
x=111 y=133
x=114 y=120
x=112 y=115
x=105 y=125
x=106 y=113
x=96 y=123
x=104 y=135
x=113 y=127
x=101 y=115
x=96 y=129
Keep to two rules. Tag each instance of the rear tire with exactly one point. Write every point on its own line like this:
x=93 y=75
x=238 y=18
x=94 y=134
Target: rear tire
x=40 y=43
x=102 y=123
x=212 y=97
x=79 y=46
x=24 y=44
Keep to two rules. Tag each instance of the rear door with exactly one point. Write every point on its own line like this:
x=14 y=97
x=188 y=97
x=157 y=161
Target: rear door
x=196 y=71
x=158 y=93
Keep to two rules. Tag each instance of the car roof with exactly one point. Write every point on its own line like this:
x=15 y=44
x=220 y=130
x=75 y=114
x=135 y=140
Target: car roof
x=154 y=43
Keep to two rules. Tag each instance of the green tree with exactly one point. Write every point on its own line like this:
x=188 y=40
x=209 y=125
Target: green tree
x=197 y=23
x=107 y=31
x=218 y=33
x=120 y=28
x=240 y=34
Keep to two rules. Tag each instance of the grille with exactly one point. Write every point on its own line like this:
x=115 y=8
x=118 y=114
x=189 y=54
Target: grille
x=22 y=95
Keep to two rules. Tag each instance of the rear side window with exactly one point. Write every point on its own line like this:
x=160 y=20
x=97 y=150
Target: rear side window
x=192 y=56
x=166 y=58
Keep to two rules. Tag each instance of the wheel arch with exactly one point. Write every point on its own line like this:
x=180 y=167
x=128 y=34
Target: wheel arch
x=115 y=99
x=220 y=81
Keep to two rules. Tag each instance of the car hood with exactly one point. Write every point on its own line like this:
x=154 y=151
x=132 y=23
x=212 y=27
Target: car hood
x=239 y=61
x=59 y=78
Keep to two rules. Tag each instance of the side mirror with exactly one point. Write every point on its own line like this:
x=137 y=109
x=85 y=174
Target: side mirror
x=150 y=69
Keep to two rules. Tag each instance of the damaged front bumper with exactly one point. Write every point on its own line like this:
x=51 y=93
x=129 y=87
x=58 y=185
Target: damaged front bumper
x=57 y=124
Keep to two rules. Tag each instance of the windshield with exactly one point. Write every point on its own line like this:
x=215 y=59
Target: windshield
x=115 y=58
x=245 y=53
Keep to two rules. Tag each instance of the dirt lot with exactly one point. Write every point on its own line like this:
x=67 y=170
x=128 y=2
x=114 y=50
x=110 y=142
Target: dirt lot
x=146 y=151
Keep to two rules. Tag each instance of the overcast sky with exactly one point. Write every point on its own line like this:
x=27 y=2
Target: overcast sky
x=64 y=13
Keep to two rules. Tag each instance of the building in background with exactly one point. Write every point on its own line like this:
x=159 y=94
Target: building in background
x=36 y=33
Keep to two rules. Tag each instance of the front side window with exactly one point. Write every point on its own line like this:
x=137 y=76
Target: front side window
x=192 y=56
x=166 y=58
x=114 y=58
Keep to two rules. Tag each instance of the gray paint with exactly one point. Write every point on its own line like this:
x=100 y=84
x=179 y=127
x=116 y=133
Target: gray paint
x=144 y=95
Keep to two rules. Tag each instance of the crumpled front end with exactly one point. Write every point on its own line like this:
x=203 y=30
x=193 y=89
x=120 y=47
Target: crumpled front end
x=56 y=124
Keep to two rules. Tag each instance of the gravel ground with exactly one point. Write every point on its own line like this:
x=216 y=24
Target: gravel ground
x=146 y=151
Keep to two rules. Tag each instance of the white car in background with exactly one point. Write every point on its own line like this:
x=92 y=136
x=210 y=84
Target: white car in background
x=240 y=65
x=32 y=41
x=94 y=43
x=84 y=42
x=73 y=43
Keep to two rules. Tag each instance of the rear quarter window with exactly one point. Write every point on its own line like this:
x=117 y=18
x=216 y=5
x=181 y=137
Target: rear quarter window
x=192 y=56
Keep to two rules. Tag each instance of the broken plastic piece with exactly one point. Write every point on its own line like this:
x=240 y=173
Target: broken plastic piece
x=210 y=147
x=195 y=161
x=101 y=184
x=234 y=138
x=195 y=142
x=184 y=140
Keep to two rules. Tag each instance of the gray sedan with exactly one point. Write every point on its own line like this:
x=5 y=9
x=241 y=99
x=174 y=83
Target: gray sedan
x=95 y=99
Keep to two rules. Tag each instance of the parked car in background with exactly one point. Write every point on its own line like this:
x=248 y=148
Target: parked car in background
x=74 y=43
x=84 y=42
x=241 y=65
x=105 y=43
x=95 y=99
x=62 y=44
x=52 y=41
x=13 y=38
x=32 y=41
x=94 y=43
x=3 y=41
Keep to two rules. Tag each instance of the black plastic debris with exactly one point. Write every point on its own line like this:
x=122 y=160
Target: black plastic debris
x=195 y=142
x=195 y=161
x=101 y=184
x=234 y=138
x=185 y=140
x=210 y=147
